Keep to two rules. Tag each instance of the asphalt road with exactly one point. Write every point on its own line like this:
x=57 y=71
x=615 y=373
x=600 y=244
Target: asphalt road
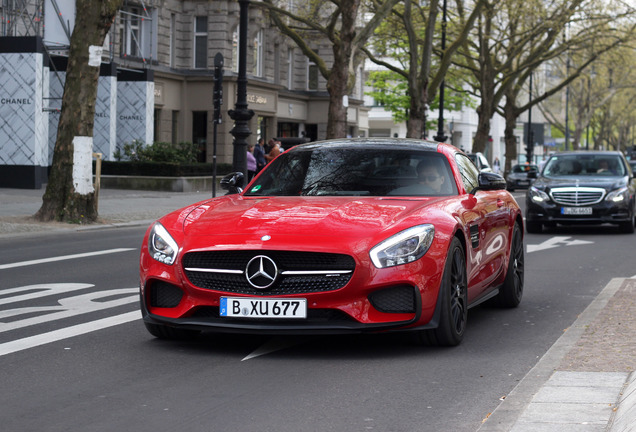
x=75 y=356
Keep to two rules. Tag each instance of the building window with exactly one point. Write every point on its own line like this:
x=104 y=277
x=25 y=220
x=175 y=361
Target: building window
x=201 y=42
x=175 y=127
x=290 y=69
x=130 y=32
x=200 y=133
x=258 y=54
x=173 y=39
x=235 y=49
x=312 y=76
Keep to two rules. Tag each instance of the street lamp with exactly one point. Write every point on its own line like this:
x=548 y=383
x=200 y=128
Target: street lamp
x=241 y=114
x=440 y=137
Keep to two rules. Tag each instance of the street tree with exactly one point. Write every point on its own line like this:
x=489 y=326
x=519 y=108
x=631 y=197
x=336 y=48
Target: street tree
x=69 y=194
x=514 y=39
x=591 y=96
x=406 y=45
x=346 y=26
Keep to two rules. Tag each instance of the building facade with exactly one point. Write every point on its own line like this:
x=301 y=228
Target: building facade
x=162 y=55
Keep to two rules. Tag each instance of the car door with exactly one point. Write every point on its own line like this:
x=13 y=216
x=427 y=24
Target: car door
x=486 y=217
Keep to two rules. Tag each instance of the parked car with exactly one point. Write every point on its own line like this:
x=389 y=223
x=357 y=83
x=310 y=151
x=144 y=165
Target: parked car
x=582 y=188
x=518 y=178
x=480 y=162
x=632 y=164
x=342 y=236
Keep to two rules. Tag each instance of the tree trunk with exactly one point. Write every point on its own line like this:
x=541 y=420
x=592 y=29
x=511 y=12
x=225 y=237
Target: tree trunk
x=485 y=113
x=510 y=116
x=67 y=198
x=337 y=87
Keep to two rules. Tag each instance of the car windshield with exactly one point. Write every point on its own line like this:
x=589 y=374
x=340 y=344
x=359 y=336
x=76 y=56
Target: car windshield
x=351 y=171
x=584 y=165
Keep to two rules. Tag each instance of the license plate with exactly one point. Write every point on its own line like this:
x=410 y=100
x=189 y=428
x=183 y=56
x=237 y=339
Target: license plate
x=524 y=183
x=576 y=210
x=242 y=307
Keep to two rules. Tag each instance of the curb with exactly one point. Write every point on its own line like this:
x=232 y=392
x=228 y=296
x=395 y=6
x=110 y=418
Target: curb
x=504 y=417
x=623 y=418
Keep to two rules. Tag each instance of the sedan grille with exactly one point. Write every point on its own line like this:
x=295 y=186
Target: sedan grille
x=296 y=272
x=577 y=196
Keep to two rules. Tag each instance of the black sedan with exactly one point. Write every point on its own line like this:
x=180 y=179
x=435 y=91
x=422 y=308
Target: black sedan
x=518 y=177
x=582 y=188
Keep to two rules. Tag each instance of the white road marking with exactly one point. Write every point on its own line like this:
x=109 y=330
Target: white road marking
x=68 y=332
x=62 y=258
x=68 y=307
x=40 y=290
x=271 y=346
x=556 y=242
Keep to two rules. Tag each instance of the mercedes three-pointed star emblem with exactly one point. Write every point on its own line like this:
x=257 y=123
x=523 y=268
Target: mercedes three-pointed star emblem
x=261 y=272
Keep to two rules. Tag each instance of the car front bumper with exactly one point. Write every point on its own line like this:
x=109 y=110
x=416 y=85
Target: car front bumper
x=603 y=212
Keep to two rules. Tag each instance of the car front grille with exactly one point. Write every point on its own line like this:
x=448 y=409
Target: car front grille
x=297 y=272
x=577 y=196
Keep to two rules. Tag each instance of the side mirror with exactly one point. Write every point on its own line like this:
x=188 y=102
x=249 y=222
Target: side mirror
x=533 y=175
x=490 y=181
x=233 y=182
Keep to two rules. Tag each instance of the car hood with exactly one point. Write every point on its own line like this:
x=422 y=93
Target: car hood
x=238 y=221
x=545 y=183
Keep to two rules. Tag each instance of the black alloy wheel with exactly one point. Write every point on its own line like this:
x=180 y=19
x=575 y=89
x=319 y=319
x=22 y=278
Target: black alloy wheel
x=511 y=291
x=454 y=306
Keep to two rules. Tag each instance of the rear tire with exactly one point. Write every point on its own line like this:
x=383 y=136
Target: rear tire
x=164 y=332
x=454 y=298
x=511 y=291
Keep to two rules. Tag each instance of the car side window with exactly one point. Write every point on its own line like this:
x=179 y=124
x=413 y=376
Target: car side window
x=468 y=171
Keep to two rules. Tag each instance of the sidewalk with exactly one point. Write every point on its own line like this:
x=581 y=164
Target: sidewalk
x=115 y=207
x=585 y=382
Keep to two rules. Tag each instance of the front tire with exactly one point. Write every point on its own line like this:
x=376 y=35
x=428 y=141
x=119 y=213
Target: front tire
x=511 y=291
x=454 y=298
x=627 y=227
x=534 y=227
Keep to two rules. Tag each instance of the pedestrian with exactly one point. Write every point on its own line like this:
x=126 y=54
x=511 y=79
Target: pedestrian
x=496 y=166
x=275 y=151
x=251 y=162
x=259 y=154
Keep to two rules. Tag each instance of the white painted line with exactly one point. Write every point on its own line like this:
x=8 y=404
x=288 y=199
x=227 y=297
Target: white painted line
x=68 y=332
x=271 y=346
x=62 y=258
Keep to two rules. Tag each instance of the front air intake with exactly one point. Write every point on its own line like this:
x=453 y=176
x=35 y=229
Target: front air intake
x=396 y=299
x=164 y=295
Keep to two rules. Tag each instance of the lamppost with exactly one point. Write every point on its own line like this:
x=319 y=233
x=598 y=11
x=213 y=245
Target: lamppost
x=530 y=143
x=440 y=137
x=241 y=114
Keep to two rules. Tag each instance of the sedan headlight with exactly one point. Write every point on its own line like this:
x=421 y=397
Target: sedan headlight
x=161 y=245
x=618 y=195
x=537 y=195
x=404 y=247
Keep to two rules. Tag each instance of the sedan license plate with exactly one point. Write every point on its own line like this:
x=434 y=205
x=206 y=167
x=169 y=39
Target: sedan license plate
x=242 y=307
x=576 y=210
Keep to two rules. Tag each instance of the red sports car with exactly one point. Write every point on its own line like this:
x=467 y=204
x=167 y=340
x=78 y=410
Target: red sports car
x=341 y=236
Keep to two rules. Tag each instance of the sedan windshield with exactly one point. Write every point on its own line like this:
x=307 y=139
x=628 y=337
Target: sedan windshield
x=355 y=172
x=585 y=165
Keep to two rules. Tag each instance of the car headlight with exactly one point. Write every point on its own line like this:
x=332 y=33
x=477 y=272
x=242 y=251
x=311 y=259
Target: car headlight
x=537 y=195
x=617 y=195
x=404 y=247
x=161 y=245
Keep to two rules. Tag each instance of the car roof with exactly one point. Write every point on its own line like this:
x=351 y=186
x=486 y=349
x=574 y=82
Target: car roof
x=588 y=152
x=373 y=143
